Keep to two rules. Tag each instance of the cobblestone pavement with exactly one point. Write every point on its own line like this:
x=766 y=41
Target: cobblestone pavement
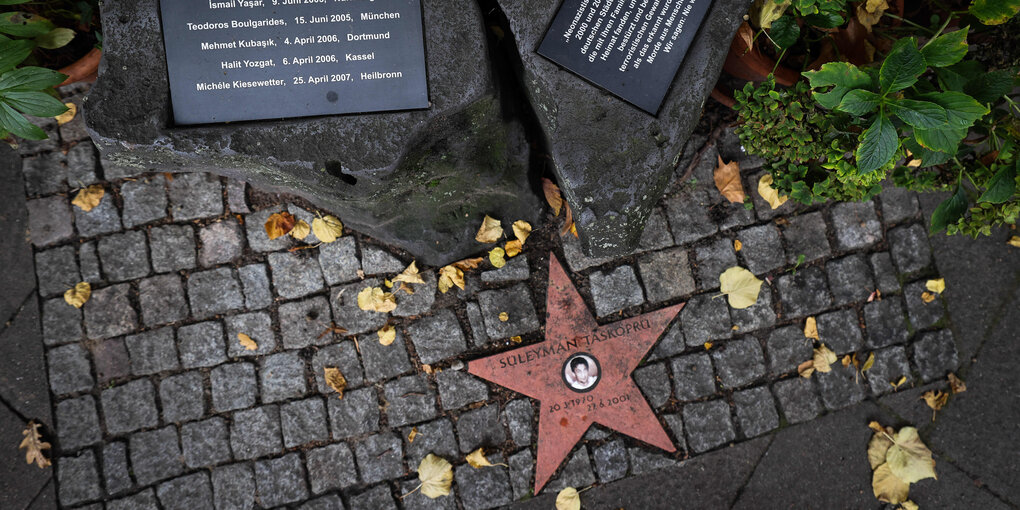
x=156 y=405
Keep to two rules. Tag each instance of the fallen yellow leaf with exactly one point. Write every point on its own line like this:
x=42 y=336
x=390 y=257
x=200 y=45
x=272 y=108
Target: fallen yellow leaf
x=878 y=447
x=413 y=435
x=770 y=194
x=956 y=385
x=327 y=228
x=568 y=221
x=568 y=499
x=898 y=382
x=727 y=181
x=708 y=345
x=522 y=230
x=1014 y=241
x=823 y=359
x=335 y=380
x=477 y=459
x=468 y=264
x=387 y=334
x=936 y=286
x=300 y=230
x=740 y=286
x=404 y=287
x=552 y=195
x=806 y=369
x=846 y=360
x=503 y=316
x=811 y=328
x=247 y=342
x=435 y=475
x=927 y=297
x=513 y=248
x=279 y=224
x=388 y=284
x=737 y=245
x=490 y=231
x=88 y=198
x=868 y=13
x=908 y=458
x=450 y=276
x=496 y=257
x=936 y=400
x=34 y=445
x=516 y=339
x=374 y=299
x=410 y=275
x=870 y=362
x=909 y=505
x=67 y=116
x=79 y=295
x=887 y=486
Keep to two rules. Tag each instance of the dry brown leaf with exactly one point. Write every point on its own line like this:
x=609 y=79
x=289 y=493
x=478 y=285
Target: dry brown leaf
x=477 y=460
x=67 y=116
x=512 y=248
x=404 y=287
x=927 y=297
x=327 y=228
x=410 y=275
x=503 y=317
x=88 y=198
x=468 y=264
x=806 y=369
x=387 y=334
x=568 y=222
x=936 y=400
x=552 y=195
x=956 y=385
x=427 y=369
x=870 y=12
x=727 y=181
x=496 y=257
x=412 y=435
x=568 y=499
x=247 y=342
x=279 y=224
x=846 y=360
x=34 y=446
x=374 y=299
x=450 y=276
x=522 y=230
x=887 y=486
x=490 y=231
x=435 y=475
x=79 y=295
x=909 y=458
x=737 y=245
x=335 y=380
x=300 y=230
x=770 y=194
x=811 y=328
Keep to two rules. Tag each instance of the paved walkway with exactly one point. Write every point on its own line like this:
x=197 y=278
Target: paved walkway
x=150 y=401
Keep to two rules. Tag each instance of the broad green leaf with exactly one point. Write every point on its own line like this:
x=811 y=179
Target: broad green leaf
x=824 y=20
x=928 y=157
x=956 y=76
x=961 y=110
x=16 y=123
x=902 y=66
x=24 y=24
x=13 y=52
x=949 y=211
x=989 y=87
x=944 y=140
x=56 y=38
x=878 y=145
x=994 y=12
x=14 y=2
x=768 y=11
x=841 y=74
x=34 y=103
x=859 y=102
x=922 y=114
x=946 y=49
x=785 y=31
x=1001 y=187
x=30 y=78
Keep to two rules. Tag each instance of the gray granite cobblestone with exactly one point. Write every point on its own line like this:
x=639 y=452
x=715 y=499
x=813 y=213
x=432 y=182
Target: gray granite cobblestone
x=671 y=344
x=195 y=195
x=124 y=256
x=885 y=274
x=152 y=352
x=330 y=468
x=45 y=174
x=419 y=501
x=856 y=225
x=666 y=274
x=145 y=500
x=922 y=315
x=339 y=261
x=434 y=437
x=237 y=199
x=805 y=235
x=757 y=316
x=258 y=326
x=60 y=323
x=516 y=302
x=380 y=457
x=183 y=397
x=437 y=337
x=910 y=248
x=376 y=498
x=482 y=489
x=77 y=423
x=522 y=470
x=890 y=366
x=692 y=376
x=688 y=217
x=78 y=478
x=57 y=270
x=233 y=487
x=797 y=399
x=205 y=443
x=615 y=290
x=576 y=472
x=155 y=455
x=840 y=331
x=654 y=383
x=162 y=300
x=421 y=301
x=295 y=275
x=761 y=248
x=375 y=261
x=611 y=462
x=705 y=319
x=109 y=312
x=281 y=481
x=708 y=425
x=712 y=260
x=303 y=322
x=344 y=300
x=89 y=262
x=49 y=220
x=102 y=219
x=738 y=362
x=355 y=414
x=519 y=415
x=233 y=386
x=675 y=424
x=173 y=248
x=303 y=422
x=804 y=292
x=756 y=411
x=516 y=269
x=342 y=356
x=201 y=345
x=256 y=433
x=458 y=389
x=935 y=354
x=144 y=200
x=787 y=348
x=898 y=204
x=130 y=407
x=409 y=399
x=383 y=361
x=188 y=492
x=282 y=377
x=884 y=322
x=222 y=242
x=480 y=427
x=255 y=281
x=643 y=461
x=258 y=240
x=478 y=335
x=849 y=279
x=70 y=370
x=841 y=387
x=214 y=292
x=111 y=359
x=116 y=473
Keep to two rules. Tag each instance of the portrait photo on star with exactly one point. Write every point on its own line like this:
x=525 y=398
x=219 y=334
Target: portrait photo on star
x=581 y=372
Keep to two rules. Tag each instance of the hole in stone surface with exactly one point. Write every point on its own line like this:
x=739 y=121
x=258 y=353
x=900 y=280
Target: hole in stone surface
x=336 y=169
x=312 y=315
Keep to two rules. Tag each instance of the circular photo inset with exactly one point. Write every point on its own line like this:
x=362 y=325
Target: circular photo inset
x=581 y=372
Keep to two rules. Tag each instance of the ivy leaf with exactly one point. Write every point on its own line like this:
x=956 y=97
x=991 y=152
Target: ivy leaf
x=994 y=12
x=878 y=145
x=901 y=67
x=946 y=49
x=740 y=286
x=989 y=87
x=1001 y=187
x=842 y=75
x=950 y=210
x=859 y=102
x=961 y=110
x=922 y=114
x=785 y=31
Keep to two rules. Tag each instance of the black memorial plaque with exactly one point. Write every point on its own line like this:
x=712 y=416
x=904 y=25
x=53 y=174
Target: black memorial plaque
x=632 y=48
x=265 y=59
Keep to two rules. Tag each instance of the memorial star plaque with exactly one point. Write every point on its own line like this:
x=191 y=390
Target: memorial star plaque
x=268 y=59
x=632 y=48
x=581 y=374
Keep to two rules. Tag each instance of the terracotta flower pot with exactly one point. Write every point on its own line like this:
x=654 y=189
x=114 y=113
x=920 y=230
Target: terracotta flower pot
x=84 y=69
